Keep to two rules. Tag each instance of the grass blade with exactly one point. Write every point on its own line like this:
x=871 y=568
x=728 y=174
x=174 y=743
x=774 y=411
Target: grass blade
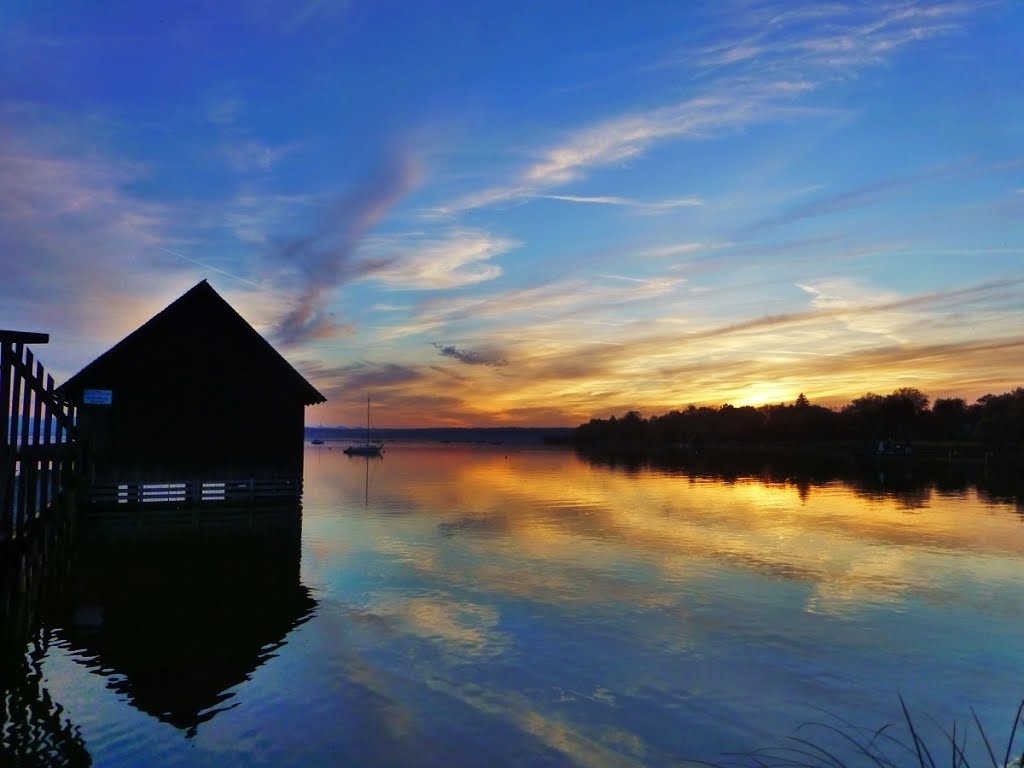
x=984 y=737
x=880 y=760
x=918 y=744
x=1013 y=733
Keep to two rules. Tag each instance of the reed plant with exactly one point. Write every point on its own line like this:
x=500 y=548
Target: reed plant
x=834 y=742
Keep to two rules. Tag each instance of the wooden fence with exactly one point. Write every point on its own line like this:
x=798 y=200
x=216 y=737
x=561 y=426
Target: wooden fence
x=38 y=441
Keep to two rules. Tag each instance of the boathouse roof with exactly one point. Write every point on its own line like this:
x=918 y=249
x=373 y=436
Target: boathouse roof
x=210 y=325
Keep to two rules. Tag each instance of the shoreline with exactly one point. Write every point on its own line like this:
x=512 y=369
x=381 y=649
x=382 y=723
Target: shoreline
x=914 y=453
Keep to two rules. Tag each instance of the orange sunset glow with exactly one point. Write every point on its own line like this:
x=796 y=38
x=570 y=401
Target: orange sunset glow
x=640 y=214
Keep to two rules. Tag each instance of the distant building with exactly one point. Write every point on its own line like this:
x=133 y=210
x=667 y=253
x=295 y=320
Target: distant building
x=192 y=400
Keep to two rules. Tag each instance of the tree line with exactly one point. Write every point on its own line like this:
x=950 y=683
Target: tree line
x=903 y=416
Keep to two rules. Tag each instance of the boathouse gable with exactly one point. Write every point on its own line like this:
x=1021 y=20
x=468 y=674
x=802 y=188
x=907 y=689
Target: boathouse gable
x=194 y=394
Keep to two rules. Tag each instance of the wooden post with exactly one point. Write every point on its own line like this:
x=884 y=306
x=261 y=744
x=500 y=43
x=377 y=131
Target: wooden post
x=20 y=430
x=6 y=458
x=12 y=427
x=45 y=420
x=195 y=490
x=35 y=476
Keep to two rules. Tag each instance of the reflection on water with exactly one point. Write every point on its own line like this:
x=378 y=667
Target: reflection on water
x=491 y=605
x=174 y=623
x=643 y=615
x=34 y=729
x=894 y=477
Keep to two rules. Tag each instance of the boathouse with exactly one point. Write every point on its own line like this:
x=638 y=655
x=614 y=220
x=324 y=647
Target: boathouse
x=194 y=406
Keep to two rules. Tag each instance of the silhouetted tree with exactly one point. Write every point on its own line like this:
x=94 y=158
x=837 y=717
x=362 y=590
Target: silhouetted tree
x=1001 y=417
x=949 y=418
x=901 y=415
x=632 y=426
x=865 y=417
x=902 y=411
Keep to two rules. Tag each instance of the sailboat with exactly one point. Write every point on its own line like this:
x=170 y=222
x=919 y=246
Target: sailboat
x=375 y=448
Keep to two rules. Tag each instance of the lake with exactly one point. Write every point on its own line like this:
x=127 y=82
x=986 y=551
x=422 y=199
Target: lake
x=455 y=605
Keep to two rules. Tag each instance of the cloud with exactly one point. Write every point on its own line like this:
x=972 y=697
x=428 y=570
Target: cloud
x=619 y=139
x=362 y=377
x=623 y=138
x=573 y=299
x=860 y=197
x=825 y=40
x=839 y=294
x=569 y=363
x=471 y=356
x=253 y=217
x=86 y=258
x=658 y=206
x=454 y=259
x=831 y=307
x=73 y=233
x=777 y=56
x=680 y=249
x=326 y=259
x=251 y=156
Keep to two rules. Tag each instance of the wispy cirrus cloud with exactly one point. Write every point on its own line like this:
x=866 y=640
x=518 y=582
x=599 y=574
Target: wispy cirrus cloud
x=680 y=249
x=643 y=206
x=326 y=258
x=775 y=57
x=452 y=259
x=622 y=138
x=573 y=298
x=70 y=226
x=859 y=197
x=254 y=217
x=85 y=257
x=619 y=139
x=825 y=40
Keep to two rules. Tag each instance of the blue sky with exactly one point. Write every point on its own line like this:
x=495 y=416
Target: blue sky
x=483 y=213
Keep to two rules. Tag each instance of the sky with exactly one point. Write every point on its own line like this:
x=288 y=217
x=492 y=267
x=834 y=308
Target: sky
x=498 y=214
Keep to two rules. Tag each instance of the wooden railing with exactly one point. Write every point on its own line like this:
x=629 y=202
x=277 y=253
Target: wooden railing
x=38 y=440
x=163 y=506
x=194 y=493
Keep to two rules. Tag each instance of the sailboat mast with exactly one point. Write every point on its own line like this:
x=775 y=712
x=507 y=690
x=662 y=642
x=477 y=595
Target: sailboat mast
x=367 y=421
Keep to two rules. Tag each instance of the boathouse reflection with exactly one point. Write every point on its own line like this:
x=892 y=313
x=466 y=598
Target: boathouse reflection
x=175 y=623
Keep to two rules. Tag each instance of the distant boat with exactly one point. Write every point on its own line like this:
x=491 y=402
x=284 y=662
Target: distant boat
x=317 y=441
x=368 y=448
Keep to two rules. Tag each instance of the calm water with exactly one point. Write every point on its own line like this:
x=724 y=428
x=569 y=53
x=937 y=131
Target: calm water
x=471 y=605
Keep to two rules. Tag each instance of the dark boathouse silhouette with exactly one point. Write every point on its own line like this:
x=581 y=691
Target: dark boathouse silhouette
x=194 y=408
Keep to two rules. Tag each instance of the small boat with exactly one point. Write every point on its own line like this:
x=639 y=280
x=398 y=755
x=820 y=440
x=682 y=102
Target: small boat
x=368 y=448
x=317 y=441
